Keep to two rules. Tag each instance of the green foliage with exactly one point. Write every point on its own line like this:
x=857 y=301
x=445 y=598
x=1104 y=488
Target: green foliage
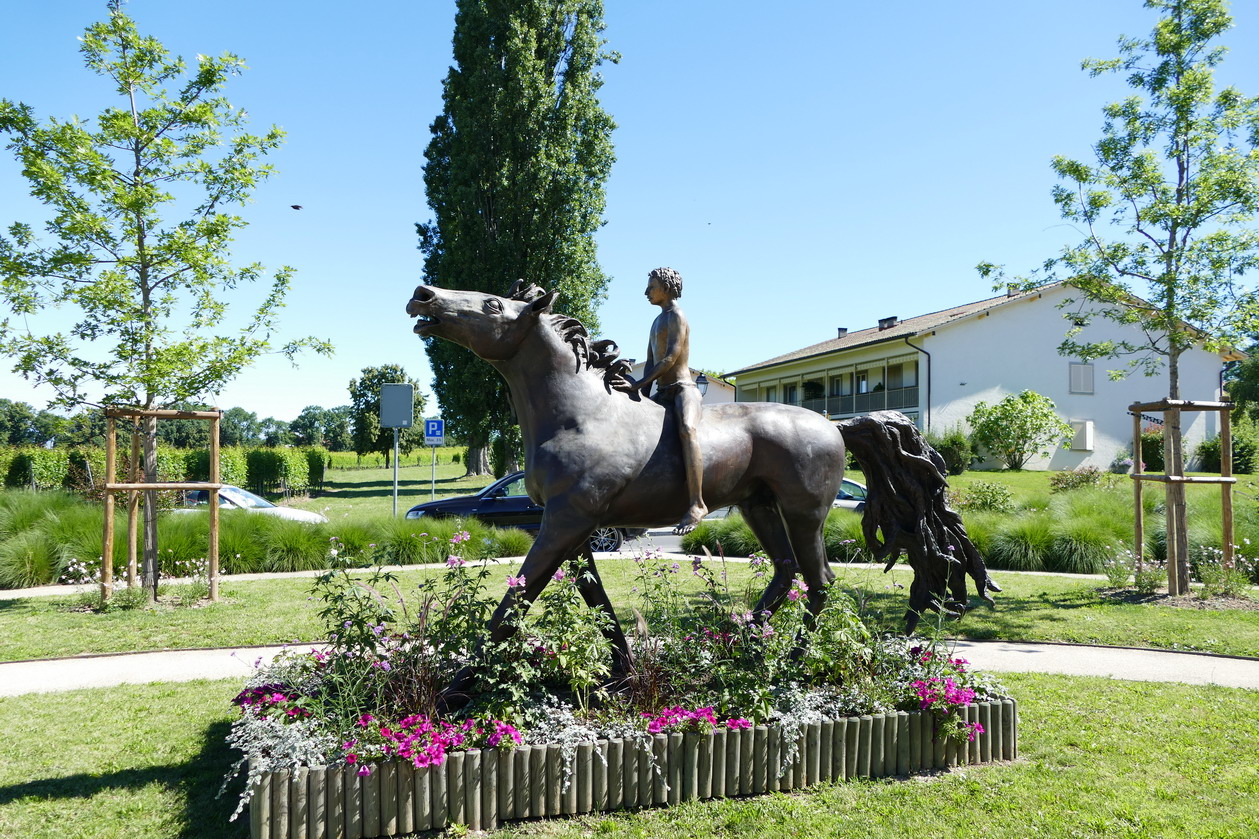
x=1085 y=476
x=984 y=495
x=1024 y=545
x=1166 y=208
x=28 y=559
x=515 y=175
x=1245 y=432
x=1152 y=450
x=316 y=463
x=1018 y=427
x=233 y=465
x=269 y=470
x=38 y=468
x=139 y=231
x=365 y=412
x=955 y=447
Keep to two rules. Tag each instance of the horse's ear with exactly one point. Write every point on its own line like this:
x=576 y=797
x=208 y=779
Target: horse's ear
x=542 y=305
x=515 y=288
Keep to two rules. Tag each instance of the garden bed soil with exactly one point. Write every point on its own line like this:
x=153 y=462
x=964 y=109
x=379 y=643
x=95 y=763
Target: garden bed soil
x=1182 y=601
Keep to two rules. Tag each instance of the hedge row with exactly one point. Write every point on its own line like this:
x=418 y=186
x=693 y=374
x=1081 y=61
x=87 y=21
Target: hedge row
x=46 y=537
x=83 y=469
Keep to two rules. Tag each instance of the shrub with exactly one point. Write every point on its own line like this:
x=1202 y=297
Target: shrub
x=984 y=495
x=1245 y=450
x=1079 y=547
x=233 y=468
x=1022 y=546
x=1018 y=427
x=38 y=468
x=29 y=559
x=271 y=469
x=316 y=462
x=1066 y=480
x=294 y=546
x=955 y=447
x=1152 y=449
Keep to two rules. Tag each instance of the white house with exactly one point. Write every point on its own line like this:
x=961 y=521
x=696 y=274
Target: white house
x=936 y=367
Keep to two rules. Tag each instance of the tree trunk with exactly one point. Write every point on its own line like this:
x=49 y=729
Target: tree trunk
x=477 y=461
x=150 y=573
x=1174 y=464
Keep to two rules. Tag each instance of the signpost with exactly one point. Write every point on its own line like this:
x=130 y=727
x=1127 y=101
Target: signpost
x=434 y=435
x=397 y=410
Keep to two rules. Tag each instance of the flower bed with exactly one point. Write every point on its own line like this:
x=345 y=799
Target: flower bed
x=486 y=787
x=718 y=701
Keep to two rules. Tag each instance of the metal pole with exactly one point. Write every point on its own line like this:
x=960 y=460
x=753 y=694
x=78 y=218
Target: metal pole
x=395 y=472
x=432 y=494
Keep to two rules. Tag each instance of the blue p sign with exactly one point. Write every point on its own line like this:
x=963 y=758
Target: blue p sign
x=434 y=432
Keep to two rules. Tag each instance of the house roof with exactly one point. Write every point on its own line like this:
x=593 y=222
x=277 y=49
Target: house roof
x=905 y=328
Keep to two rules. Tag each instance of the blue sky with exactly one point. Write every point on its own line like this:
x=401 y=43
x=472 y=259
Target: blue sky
x=809 y=166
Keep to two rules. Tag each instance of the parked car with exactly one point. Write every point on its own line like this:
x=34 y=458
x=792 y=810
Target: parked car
x=235 y=498
x=505 y=503
x=851 y=496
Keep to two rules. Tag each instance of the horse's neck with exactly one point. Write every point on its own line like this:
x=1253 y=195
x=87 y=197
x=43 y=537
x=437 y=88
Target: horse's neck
x=548 y=391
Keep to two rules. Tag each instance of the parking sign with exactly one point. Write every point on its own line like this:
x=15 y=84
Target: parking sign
x=434 y=432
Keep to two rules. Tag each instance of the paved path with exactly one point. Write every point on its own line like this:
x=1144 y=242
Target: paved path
x=53 y=675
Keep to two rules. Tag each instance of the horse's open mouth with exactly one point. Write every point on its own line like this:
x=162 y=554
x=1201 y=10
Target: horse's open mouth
x=422 y=322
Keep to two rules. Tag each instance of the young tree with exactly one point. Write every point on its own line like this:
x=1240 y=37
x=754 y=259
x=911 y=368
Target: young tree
x=515 y=179
x=137 y=242
x=1166 y=207
x=365 y=412
x=1018 y=427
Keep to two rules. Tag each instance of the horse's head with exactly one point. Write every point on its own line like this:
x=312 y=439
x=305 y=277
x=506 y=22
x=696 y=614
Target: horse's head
x=489 y=325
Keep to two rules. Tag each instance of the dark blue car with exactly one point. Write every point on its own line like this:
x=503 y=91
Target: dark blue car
x=505 y=503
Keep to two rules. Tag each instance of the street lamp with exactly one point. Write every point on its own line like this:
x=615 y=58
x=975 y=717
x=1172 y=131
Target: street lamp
x=701 y=382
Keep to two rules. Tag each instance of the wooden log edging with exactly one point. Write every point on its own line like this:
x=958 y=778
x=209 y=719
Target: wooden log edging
x=482 y=789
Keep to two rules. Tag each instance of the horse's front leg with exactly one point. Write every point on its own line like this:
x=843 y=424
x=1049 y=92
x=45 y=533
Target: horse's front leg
x=554 y=544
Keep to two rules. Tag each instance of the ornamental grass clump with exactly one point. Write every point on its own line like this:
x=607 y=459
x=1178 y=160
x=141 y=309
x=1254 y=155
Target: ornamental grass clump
x=703 y=658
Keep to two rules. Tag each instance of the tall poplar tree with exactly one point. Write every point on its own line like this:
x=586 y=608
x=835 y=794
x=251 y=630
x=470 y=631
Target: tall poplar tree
x=1167 y=207
x=136 y=246
x=515 y=179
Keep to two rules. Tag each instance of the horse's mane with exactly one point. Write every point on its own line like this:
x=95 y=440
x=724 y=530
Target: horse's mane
x=599 y=355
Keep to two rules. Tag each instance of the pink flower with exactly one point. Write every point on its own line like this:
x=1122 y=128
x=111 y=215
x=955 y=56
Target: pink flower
x=515 y=582
x=453 y=561
x=738 y=722
x=558 y=576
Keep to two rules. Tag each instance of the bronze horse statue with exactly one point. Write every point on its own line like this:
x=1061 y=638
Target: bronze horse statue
x=596 y=455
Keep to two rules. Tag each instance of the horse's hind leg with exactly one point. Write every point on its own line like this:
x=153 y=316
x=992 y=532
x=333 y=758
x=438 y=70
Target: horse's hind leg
x=766 y=522
x=592 y=591
x=804 y=528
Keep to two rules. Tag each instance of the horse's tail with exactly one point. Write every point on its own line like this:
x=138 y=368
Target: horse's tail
x=905 y=483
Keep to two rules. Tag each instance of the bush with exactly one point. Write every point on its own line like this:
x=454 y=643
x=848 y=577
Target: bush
x=29 y=559
x=233 y=468
x=954 y=446
x=1152 y=449
x=1245 y=450
x=1079 y=547
x=1018 y=427
x=271 y=469
x=316 y=462
x=1084 y=476
x=984 y=495
x=1023 y=546
x=38 y=468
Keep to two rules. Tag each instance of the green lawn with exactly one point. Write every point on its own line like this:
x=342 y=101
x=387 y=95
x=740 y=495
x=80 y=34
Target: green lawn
x=1099 y=758
x=1032 y=608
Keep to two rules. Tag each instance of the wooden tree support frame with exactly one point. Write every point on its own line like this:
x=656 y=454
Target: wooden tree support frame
x=1171 y=481
x=134 y=486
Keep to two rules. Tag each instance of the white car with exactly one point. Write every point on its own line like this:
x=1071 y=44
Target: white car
x=851 y=496
x=235 y=498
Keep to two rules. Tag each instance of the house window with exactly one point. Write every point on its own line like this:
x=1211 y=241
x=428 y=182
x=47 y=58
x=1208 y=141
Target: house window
x=863 y=382
x=791 y=394
x=1082 y=435
x=771 y=393
x=841 y=385
x=1081 y=378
